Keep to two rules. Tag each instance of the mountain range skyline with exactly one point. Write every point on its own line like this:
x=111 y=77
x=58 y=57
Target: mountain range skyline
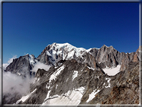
x=53 y=53
x=6 y=62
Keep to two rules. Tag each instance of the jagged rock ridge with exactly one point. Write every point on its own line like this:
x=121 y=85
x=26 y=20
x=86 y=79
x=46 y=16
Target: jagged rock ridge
x=73 y=83
x=103 y=57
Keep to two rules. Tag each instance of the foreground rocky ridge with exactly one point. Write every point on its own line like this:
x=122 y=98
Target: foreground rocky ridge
x=89 y=86
x=72 y=76
x=124 y=88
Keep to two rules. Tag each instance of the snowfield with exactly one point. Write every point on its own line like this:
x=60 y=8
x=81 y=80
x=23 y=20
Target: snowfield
x=56 y=73
x=112 y=71
x=72 y=97
x=75 y=74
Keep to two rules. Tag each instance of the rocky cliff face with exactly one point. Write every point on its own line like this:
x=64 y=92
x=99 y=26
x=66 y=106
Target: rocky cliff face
x=73 y=83
x=68 y=80
x=22 y=65
x=77 y=76
x=104 y=56
x=124 y=88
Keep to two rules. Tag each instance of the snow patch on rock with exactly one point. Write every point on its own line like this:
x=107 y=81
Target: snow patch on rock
x=108 y=81
x=112 y=71
x=91 y=68
x=24 y=98
x=92 y=95
x=56 y=73
x=75 y=74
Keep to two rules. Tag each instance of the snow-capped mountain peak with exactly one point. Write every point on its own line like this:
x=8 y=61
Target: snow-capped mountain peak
x=65 y=46
x=65 y=50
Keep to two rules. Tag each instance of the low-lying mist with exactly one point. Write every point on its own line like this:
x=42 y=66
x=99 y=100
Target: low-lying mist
x=14 y=84
x=41 y=66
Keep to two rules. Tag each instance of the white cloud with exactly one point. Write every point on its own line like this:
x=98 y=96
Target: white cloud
x=13 y=83
x=41 y=66
x=16 y=82
x=5 y=65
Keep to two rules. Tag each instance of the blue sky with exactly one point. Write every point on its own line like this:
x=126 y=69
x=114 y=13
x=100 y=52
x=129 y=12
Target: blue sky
x=30 y=27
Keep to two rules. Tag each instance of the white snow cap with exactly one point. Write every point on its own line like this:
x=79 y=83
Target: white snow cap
x=70 y=47
x=66 y=50
x=66 y=45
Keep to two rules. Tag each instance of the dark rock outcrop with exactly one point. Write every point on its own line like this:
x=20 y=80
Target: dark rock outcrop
x=124 y=88
x=11 y=98
x=21 y=65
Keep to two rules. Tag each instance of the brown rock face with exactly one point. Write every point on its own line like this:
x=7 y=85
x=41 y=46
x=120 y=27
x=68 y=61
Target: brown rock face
x=137 y=54
x=130 y=57
x=20 y=65
x=110 y=57
x=124 y=88
x=105 y=56
x=135 y=59
x=123 y=65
